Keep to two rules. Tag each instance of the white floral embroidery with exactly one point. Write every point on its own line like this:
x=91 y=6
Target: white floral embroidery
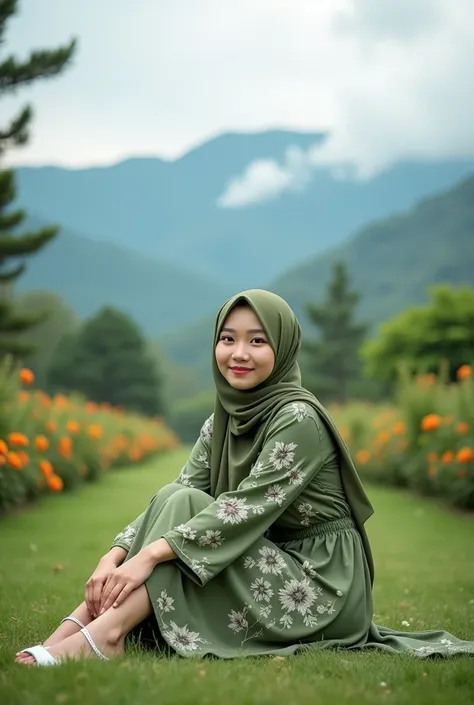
x=256 y=469
x=446 y=641
x=300 y=411
x=282 y=455
x=295 y=476
x=184 y=478
x=249 y=562
x=297 y=595
x=232 y=510
x=262 y=590
x=306 y=510
x=308 y=569
x=186 y=531
x=310 y=620
x=211 y=538
x=237 y=621
x=207 y=428
x=258 y=509
x=182 y=639
x=165 y=602
x=286 y=620
x=126 y=536
x=339 y=593
x=265 y=611
x=199 y=568
x=275 y=494
x=271 y=561
x=202 y=458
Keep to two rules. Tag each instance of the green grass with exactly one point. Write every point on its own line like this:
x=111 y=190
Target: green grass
x=425 y=574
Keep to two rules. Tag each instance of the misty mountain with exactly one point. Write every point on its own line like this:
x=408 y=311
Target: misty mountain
x=168 y=209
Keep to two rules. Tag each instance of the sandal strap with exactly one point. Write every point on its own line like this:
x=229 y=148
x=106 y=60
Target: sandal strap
x=72 y=619
x=41 y=655
x=92 y=645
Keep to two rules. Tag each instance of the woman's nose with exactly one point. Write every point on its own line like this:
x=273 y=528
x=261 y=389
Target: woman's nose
x=240 y=353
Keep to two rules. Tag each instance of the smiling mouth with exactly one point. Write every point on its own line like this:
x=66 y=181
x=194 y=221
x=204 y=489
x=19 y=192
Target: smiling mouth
x=241 y=370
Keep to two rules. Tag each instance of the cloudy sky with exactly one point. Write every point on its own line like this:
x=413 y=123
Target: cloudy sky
x=388 y=78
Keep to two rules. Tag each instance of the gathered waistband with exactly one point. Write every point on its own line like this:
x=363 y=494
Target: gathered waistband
x=284 y=535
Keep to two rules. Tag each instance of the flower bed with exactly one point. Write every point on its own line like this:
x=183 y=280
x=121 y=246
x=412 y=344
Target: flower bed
x=424 y=442
x=51 y=444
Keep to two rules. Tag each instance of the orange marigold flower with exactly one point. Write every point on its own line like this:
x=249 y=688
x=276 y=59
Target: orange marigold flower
x=41 y=443
x=14 y=460
x=90 y=407
x=465 y=455
x=55 y=483
x=3 y=448
x=72 y=427
x=95 y=430
x=46 y=468
x=18 y=439
x=26 y=376
x=362 y=457
x=383 y=437
x=447 y=457
x=432 y=471
x=462 y=427
x=399 y=428
x=464 y=372
x=432 y=457
x=24 y=457
x=51 y=426
x=430 y=422
x=23 y=396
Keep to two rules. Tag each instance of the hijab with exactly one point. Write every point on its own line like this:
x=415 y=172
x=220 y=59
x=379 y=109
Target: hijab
x=242 y=417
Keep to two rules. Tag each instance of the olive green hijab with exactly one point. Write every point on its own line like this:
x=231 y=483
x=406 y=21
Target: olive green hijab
x=241 y=417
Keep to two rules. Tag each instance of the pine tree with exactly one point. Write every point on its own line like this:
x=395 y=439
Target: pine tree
x=332 y=361
x=108 y=361
x=15 y=74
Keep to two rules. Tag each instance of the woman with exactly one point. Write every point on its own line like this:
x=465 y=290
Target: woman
x=259 y=546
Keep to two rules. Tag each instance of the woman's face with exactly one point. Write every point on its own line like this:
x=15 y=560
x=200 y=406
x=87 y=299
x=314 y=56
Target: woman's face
x=243 y=354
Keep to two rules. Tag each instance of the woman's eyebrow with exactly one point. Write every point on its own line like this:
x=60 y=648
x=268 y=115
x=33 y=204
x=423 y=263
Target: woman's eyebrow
x=252 y=330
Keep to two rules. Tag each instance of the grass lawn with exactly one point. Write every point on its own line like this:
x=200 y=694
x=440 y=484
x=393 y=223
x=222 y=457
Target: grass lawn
x=425 y=575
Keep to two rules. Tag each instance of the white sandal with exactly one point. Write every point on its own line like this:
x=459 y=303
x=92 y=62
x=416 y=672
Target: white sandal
x=44 y=658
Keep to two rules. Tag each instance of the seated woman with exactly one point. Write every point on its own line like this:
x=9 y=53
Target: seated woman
x=259 y=546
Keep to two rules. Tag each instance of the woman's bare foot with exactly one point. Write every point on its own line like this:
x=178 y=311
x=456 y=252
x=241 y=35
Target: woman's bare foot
x=65 y=630
x=108 y=631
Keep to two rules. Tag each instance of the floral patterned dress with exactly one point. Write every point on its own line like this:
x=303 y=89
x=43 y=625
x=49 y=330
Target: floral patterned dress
x=273 y=567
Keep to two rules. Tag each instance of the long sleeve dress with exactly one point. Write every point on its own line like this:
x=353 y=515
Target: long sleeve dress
x=273 y=567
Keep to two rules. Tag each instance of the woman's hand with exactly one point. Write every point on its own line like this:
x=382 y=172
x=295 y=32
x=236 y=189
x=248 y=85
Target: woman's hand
x=99 y=577
x=123 y=580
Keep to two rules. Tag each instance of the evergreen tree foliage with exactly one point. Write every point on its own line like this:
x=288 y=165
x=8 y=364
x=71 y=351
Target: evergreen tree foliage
x=15 y=74
x=108 y=361
x=331 y=362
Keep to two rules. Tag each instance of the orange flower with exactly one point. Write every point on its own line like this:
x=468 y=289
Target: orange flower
x=447 y=457
x=3 y=448
x=432 y=457
x=464 y=372
x=399 y=428
x=23 y=396
x=462 y=427
x=46 y=468
x=14 y=460
x=41 y=443
x=65 y=447
x=430 y=422
x=432 y=471
x=90 y=407
x=26 y=376
x=18 y=439
x=95 y=431
x=55 y=483
x=465 y=455
x=362 y=457
x=24 y=457
x=51 y=426
x=72 y=426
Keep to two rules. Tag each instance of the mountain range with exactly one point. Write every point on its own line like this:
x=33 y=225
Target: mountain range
x=169 y=210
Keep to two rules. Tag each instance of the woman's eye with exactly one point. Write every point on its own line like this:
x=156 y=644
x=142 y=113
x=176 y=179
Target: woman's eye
x=259 y=341
x=226 y=338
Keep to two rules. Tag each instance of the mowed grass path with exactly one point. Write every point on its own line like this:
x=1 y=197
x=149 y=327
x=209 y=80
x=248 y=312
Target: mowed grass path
x=425 y=575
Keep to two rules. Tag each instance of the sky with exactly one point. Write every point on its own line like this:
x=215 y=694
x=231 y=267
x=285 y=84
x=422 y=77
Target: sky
x=387 y=79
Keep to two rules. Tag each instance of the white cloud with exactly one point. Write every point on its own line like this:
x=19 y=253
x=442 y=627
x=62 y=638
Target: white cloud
x=389 y=79
x=404 y=92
